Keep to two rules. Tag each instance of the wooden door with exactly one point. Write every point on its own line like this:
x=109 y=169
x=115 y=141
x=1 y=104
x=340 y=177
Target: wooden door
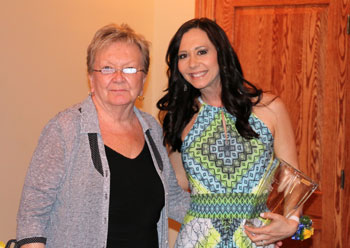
x=299 y=50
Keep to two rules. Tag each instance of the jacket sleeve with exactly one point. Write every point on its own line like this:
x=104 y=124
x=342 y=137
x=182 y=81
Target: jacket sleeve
x=41 y=185
x=178 y=198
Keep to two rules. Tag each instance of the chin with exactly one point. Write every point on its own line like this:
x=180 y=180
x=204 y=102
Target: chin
x=200 y=86
x=120 y=102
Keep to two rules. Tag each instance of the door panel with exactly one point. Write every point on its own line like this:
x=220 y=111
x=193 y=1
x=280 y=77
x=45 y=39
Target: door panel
x=299 y=50
x=281 y=48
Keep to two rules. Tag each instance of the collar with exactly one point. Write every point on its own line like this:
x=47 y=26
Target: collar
x=89 y=120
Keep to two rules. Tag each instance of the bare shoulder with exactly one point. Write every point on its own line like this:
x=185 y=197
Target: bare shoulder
x=284 y=140
x=272 y=104
x=270 y=110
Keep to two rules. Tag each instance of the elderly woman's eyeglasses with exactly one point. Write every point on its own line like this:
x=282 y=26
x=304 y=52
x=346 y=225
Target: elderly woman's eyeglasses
x=110 y=70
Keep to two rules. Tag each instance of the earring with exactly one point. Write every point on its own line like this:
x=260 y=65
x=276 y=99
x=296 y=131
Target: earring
x=140 y=98
x=185 y=87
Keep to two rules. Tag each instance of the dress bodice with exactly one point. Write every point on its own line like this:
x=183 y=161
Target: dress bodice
x=219 y=162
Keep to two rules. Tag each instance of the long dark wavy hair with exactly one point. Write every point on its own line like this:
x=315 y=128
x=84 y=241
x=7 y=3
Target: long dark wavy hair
x=178 y=106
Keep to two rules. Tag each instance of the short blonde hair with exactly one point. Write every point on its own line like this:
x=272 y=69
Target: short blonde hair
x=113 y=33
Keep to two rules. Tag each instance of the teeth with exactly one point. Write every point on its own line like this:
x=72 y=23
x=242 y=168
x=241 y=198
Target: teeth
x=199 y=74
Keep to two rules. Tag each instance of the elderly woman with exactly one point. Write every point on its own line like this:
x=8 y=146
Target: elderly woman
x=100 y=176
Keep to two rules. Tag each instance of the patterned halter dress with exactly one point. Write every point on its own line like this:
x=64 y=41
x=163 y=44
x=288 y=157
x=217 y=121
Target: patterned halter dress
x=225 y=172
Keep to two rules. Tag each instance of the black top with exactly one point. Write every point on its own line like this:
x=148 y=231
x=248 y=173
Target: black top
x=136 y=200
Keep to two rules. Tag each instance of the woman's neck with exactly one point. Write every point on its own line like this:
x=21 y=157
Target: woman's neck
x=212 y=100
x=212 y=96
x=114 y=116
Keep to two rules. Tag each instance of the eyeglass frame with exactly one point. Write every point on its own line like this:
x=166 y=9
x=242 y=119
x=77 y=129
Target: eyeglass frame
x=110 y=70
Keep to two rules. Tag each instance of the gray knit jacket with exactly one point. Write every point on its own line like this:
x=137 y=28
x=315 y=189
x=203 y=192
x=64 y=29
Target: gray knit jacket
x=65 y=196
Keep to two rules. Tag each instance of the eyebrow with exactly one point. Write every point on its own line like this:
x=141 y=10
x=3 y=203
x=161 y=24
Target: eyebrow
x=124 y=65
x=196 y=48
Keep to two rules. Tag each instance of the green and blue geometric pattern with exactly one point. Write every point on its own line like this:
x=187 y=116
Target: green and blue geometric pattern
x=224 y=170
x=227 y=206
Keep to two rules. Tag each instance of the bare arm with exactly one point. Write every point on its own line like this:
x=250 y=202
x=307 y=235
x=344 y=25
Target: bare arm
x=275 y=115
x=284 y=145
x=272 y=111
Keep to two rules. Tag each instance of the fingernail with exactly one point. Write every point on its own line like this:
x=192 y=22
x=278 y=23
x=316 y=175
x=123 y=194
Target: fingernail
x=262 y=215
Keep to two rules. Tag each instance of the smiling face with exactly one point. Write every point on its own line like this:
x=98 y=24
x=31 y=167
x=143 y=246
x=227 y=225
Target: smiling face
x=118 y=88
x=198 y=63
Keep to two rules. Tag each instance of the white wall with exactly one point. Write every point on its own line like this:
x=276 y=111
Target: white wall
x=42 y=70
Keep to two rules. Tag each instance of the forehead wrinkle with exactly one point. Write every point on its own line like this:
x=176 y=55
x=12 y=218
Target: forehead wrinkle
x=126 y=49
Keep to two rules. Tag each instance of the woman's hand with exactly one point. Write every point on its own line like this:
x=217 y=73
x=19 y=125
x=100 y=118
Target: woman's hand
x=278 y=229
x=278 y=244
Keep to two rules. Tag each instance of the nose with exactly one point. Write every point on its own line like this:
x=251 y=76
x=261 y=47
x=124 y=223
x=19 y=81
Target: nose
x=193 y=62
x=118 y=75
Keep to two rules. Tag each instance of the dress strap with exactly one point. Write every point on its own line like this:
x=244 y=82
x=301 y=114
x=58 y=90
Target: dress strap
x=201 y=100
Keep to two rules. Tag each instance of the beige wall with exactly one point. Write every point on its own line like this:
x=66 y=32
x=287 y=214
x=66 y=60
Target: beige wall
x=42 y=70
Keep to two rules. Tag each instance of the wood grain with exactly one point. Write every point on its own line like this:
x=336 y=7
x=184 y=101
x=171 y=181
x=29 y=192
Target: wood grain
x=205 y=8
x=299 y=50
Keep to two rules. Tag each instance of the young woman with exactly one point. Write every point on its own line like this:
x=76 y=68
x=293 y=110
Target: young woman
x=229 y=134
